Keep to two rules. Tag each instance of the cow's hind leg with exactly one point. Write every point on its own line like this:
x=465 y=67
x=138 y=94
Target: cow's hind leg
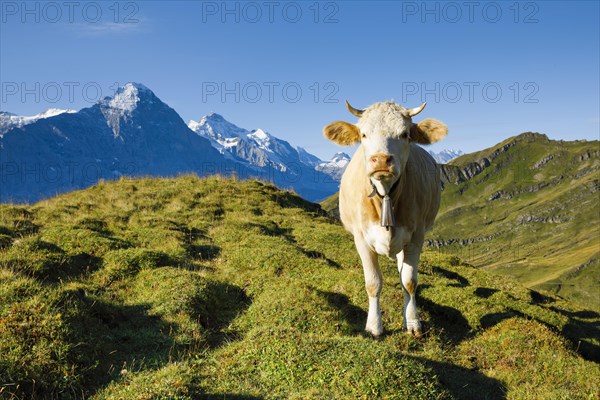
x=373 y=283
x=407 y=266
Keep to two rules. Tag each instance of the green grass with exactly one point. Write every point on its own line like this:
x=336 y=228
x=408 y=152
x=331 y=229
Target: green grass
x=546 y=237
x=215 y=288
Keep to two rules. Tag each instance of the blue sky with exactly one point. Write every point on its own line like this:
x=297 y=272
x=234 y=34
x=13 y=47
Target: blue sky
x=489 y=70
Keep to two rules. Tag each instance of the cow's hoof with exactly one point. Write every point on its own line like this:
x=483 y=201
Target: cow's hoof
x=414 y=328
x=375 y=331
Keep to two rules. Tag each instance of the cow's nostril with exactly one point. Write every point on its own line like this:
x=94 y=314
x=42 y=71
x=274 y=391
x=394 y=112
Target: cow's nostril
x=381 y=159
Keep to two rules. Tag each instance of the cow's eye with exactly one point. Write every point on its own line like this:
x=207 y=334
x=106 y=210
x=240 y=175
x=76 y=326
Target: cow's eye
x=364 y=136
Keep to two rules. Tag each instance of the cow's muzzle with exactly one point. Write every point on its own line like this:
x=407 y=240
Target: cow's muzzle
x=381 y=165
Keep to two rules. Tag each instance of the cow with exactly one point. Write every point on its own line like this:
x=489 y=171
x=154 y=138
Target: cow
x=389 y=196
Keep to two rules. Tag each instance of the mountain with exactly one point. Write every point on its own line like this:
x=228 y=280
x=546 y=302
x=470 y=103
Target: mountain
x=336 y=166
x=527 y=208
x=255 y=148
x=9 y=121
x=134 y=133
x=273 y=158
x=215 y=288
x=445 y=156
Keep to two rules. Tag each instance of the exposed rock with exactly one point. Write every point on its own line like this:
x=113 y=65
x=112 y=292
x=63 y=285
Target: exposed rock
x=438 y=243
x=555 y=219
x=543 y=161
x=589 y=154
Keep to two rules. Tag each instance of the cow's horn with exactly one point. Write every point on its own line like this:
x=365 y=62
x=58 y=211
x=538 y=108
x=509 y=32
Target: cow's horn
x=414 y=111
x=354 y=111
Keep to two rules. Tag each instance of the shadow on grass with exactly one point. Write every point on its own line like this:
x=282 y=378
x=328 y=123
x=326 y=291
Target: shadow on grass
x=270 y=228
x=226 y=303
x=465 y=383
x=290 y=200
x=318 y=255
x=109 y=337
x=105 y=338
x=539 y=298
x=49 y=263
x=203 y=252
x=582 y=328
x=484 y=293
x=490 y=320
x=583 y=334
x=461 y=281
x=354 y=316
x=453 y=325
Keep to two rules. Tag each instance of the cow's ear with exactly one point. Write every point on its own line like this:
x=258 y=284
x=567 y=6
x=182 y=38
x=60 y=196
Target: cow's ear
x=342 y=133
x=428 y=131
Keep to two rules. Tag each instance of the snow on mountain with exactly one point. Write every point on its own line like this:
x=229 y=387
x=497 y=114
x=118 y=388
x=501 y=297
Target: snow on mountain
x=132 y=133
x=336 y=166
x=123 y=103
x=339 y=160
x=9 y=121
x=445 y=156
x=256 y=147
x=222 y=134
x=275 y=159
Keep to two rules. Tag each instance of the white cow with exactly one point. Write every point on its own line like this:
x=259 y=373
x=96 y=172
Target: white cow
x=389 y=196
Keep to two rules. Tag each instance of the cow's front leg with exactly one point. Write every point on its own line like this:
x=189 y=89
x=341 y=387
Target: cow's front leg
x=373 y=283
x=407 y=266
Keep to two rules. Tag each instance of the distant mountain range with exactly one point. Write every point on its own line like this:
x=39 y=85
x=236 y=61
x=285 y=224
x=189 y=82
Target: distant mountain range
x=133 y=133
x=258 y=148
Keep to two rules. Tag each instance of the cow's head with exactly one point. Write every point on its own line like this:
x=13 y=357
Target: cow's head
x=385 y=131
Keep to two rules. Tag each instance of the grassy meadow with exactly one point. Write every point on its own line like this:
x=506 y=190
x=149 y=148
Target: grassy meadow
x=216 y=288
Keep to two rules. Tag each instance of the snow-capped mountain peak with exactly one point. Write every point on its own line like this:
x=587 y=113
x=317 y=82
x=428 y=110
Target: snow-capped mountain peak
x=340 y=159
x=336 y=166
x=123 y=103
x=9 y=120
x=257 y=148
x=133 y=133
x=216 y=128
x=261 y=138
x=126 y=97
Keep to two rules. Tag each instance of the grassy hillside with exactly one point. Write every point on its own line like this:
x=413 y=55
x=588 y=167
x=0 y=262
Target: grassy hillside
x=528 y=208
x=214 y=288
